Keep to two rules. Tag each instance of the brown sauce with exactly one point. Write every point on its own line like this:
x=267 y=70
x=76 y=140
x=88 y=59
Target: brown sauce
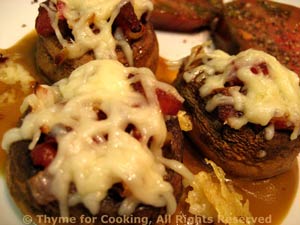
x=10 y=113
x=269 y=198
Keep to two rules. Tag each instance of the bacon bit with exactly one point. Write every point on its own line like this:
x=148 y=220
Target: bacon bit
x=233 y=80
x=169 y=104
x=45 y=129
x=254 y=70
x=126 y=190
x=101 y=115
x=43 y=23
x=260 y=68
x=95 y=29
x=131 y=129
x=227 y=111
x=138 y=87
x=223 y=91
x=60 y=9
x=281 y=123
x=44 y=153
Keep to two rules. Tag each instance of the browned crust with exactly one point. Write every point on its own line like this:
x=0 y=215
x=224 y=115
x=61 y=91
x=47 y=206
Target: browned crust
x=20 y=169
x=265 y=25
x=238 y=152
x=53 y=68
x=184 y=15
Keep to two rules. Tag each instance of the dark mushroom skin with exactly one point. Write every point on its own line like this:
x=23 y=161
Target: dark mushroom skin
x=264 y=25
x=54 y=65
x=20 y=169
x=243 y=153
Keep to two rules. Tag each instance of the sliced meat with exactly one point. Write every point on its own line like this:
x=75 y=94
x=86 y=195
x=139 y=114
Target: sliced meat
x=265 y=25
x=184 y=15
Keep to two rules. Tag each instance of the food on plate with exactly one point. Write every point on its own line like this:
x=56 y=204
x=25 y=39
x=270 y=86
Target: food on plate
x=245 y=110
x=104 y=142
x=96 y=149
x=71 y=33
x=217 y=200
x=211 y=196
x=184 y=15
x=265 y=25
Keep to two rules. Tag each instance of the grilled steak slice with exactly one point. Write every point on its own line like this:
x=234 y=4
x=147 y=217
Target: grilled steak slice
x=184 y=15
x=265 y=25
x=20 y=174
x=242 y=153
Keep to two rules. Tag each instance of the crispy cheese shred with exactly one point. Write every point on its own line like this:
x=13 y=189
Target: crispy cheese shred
x=184 y=121
x=217 y=200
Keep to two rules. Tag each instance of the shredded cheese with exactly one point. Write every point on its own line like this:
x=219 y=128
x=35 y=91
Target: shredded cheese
x=80 y=15
x=262 y=97
x=217 y=200
x=95 y=154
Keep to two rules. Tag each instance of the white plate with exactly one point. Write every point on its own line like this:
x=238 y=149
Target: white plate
x=17 y=18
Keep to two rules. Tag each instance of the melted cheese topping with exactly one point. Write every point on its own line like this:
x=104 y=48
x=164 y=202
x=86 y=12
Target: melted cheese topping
x=80 y=15
x=95 y=154
x=262 y=96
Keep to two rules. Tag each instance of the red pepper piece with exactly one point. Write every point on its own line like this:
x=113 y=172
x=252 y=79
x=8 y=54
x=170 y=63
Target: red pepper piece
x=169 y=104
x=44 y=153
x=43 y=23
